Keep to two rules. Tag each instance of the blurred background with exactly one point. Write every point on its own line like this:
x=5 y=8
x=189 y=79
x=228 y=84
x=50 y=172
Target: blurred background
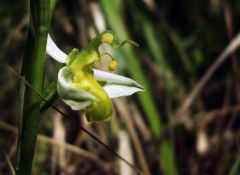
x=166 y=129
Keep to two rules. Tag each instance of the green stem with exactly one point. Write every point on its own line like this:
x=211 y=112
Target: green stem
x=33 y=71
x=235 y=166
x=112 y=11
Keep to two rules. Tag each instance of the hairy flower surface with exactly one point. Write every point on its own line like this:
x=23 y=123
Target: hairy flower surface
x=84 y=88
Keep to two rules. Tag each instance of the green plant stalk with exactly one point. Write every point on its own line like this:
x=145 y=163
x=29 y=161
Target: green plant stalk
x=111 y=9
x=235 y=166
x=33 y=71
x=153 y=44
x=146 y=98
x=167 y=152
x=52 y=7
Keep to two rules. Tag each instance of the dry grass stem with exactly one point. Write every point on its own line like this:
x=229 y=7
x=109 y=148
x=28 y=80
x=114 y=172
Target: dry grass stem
x=234 y=44
x=59 y=134
x=125 y=150
x=140 y=124
x=72 y=148
x=10 y=165
x=127 y=117
x=205 y=118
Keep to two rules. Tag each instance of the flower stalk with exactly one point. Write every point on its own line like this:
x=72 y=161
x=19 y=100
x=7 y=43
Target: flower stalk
x=33 y=72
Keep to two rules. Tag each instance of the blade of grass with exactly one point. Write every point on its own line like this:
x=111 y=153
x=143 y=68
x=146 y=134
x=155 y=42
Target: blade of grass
x=112 y=11
x=146 y=98
x=235 y=167
x=152 y=40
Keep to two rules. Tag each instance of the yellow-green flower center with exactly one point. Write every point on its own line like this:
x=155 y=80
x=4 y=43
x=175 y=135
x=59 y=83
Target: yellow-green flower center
x=83 y=78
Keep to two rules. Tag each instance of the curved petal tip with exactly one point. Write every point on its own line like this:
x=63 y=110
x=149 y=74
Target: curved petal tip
x=53 y=51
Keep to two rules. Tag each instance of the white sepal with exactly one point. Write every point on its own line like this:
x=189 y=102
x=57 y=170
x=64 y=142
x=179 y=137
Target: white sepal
x=116 y=85
x=76 y=98
x=115 y=91
x=55 y=52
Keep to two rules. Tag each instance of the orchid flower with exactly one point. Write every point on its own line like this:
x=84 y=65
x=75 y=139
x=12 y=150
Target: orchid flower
x=84 y=88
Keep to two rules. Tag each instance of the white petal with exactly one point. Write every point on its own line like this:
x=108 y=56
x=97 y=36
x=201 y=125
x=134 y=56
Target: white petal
x=116 y=85
x=77 y=99
x=115 y=91
x=55 y=52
